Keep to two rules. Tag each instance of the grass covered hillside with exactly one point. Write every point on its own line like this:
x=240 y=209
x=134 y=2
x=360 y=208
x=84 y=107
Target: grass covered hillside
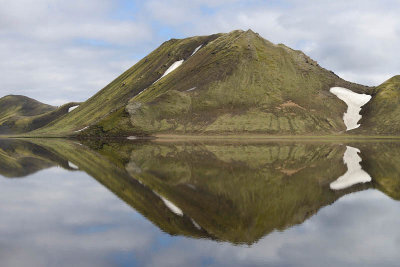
x=21 y=114
x=239 y=83
x=230 y=83
x=381 y=115
x=116 y=95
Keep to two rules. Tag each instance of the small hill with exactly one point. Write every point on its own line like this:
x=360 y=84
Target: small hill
x=21 y=114
x=381 y=115
x=231 y=83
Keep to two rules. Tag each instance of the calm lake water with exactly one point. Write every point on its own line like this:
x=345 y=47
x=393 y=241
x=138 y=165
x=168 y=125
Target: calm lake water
x=65 y=203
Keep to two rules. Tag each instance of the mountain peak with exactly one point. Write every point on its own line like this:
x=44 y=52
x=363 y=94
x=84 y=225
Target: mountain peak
x=236 y=82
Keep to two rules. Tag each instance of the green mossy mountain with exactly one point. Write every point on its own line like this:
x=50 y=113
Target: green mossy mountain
x=381 y=115
x=21 y=114
x=236 y=83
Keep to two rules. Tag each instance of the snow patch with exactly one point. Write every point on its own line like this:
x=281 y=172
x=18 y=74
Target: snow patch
x=171 y=206
x=82 y=129
x=72 y=166
x=355 y=174
x=354 y=103
x=197 y=49
x=191 y=89
x=173 y=67
x=72 y=108
x=195 y=224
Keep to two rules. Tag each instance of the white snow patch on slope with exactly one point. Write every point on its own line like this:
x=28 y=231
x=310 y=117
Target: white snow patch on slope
x=197 y=49
x=82 y=129
x=191 y=89
x=173 y=67
x=355 y=174
x=354 y=103
x=72 y=108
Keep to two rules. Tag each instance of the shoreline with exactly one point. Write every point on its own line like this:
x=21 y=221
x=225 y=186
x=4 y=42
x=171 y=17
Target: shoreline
x=183 y=137
x=222 y=137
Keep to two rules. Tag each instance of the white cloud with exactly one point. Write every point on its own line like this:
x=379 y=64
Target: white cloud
x=60 y=51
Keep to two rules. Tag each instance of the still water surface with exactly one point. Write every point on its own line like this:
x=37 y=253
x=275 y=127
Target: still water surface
x=199 y=204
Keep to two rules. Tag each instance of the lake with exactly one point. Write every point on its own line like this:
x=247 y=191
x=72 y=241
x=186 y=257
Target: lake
x=148 y=203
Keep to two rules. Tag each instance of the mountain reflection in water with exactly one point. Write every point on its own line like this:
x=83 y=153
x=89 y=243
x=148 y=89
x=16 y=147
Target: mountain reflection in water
x=223 y=191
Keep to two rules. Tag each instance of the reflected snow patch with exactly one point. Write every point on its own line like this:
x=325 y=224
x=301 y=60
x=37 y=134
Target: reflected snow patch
x=172 y=206
x=354 y=103
x=355 y=174
x=72 y=166
x=195 y=224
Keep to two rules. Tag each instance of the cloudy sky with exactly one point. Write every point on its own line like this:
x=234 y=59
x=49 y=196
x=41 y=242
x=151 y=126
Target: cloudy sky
x=59 y=51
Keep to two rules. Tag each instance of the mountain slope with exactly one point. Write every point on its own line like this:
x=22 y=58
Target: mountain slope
x=381 y=115
x=117 y=94
x=21 y=114
x=230 y=83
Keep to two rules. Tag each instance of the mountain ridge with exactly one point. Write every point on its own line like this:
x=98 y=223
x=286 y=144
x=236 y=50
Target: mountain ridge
x=221 y=84
x=259 y=74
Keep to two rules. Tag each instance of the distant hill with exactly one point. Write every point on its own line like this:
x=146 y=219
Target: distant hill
x=21 y=114
x=381 y=116
x=233 y=83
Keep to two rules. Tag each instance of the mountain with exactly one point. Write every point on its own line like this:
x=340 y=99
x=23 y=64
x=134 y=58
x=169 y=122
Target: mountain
x=233 y=83
x=381 y=115
x=21 y=114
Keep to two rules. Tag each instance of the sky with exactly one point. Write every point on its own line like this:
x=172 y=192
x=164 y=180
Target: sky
x=59 y=51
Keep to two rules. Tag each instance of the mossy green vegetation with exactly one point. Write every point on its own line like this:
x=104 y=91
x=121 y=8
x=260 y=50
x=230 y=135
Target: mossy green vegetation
x=236 y=83
x=21 y=114
x=116 y=95
x=381 y=116
x=259 y=88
